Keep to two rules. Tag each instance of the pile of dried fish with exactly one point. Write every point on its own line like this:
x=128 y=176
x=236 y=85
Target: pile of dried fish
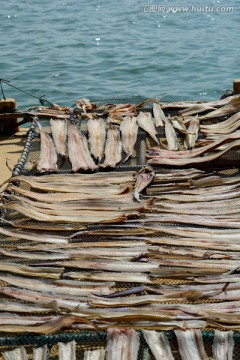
x=71 y=199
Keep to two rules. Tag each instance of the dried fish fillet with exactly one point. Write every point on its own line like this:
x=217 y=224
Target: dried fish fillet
x=113 y=147
x=59 y=134
x=48 y=155
x=41 y=353
x=17 y=354
x=223 y=345
x=171 y=136
x=129 y=131
x=122 y=344
x=146 y=123
x=192 y=133
x=159 y=345
x=96 y=137
x=67 y=351
x=98 y=354
x=190 y=344
x=79 y=154
x=158 y=114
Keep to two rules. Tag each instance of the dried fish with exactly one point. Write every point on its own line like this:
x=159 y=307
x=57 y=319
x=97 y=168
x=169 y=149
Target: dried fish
x=47 y=272
x=48 y=327
x=67 y=351
x=41 y=353
x=192 y=133
x=45 y=238
x=16 y=307
x=17 y=354
x=98 y=354
x=195 y=160
x=122 y=344
x=231 y=107
x=59 y=134
x=223 y=345
x=196 y=109
x=171 y=136
x=146 y=123
x=110 y=276
x=159 y=344
x=79 y=154
x=96 y=137
x=190 y=343
x=48 y=155
x=129 y=131
x=144 y=178
x=49 y=286
x=68 y=217
x=159 y=116
x=109 y=265
x=113 y=147
x=35 y=256
x=178 y=124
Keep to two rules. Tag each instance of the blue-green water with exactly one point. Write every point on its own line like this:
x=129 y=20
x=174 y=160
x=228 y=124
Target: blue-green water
x=67 y=49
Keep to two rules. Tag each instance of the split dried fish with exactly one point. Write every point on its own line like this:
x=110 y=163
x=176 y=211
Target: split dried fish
x=33 y=236
x=178 y=124
x=79 y=154
x=17 y=354
x=146 y=123
x=48 y=155
x=171 y=136
x=231 y=107
x=110 y=276
x=129 y=131
x=59 y=134
x=122 y=344
x=113 y=147
x=98 y=354
x=158 y=114
x=48 y=286
x=41 y=353
x=223 y=345
x=144 y=178
x=159 y=344
x=190 y=343
x=96 y=137
x=67 y=351
x=47 y=272
x=192 y=133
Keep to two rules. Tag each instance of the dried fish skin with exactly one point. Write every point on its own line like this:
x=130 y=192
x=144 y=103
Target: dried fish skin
x=159 y=344
x=96 y=137
x=79 y=154
x=223 y=345
x=17 y=354
x=129 y=132
x=144 y=178
x=41 y=353
x=158 y=115
x=146 y=123
x=67 y=351
x=59 y=134
x=113 y=147
x=98 y=354
x=48 y=156
x=190 y=343
x=122 y=344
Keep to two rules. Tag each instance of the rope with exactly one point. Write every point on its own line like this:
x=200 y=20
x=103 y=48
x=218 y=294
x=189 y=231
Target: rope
x=40 y=99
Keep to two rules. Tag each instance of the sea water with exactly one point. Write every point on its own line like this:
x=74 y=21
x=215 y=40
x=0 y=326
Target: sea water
x=69 y=49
